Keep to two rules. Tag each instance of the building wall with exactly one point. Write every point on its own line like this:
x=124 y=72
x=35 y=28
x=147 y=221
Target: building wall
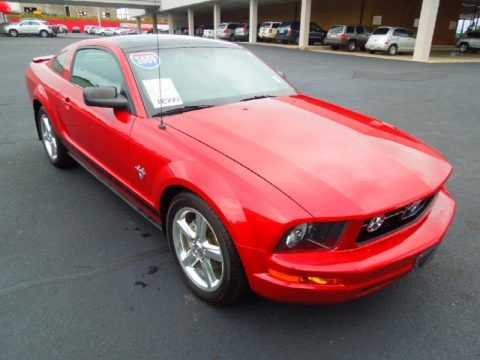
x=60 y=9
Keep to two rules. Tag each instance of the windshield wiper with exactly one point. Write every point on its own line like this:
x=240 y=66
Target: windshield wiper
x=257 y=97
x=182 y=110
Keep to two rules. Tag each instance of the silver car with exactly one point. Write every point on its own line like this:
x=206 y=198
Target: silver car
x=392 y=40
x=469 y=40
x=226 y=31
x=268 y=30
x=31 y=27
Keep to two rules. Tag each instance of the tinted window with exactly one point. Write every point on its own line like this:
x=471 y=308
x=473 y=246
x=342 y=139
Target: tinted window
x=221 y=26
x=59 y=62
x=381 y=31
x=266 y=24
x=400 y=33
x=350 y=29
x=360 y=30
x=275 y=25
x=233 y=26
x=93 y=67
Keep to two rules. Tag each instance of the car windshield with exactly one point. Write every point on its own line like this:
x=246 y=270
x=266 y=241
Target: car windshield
x=204 y=76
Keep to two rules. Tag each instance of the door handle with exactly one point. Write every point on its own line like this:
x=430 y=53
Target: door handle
x=67 y=102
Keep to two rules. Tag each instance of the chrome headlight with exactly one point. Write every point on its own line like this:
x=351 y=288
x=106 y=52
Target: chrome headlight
x=312 y=236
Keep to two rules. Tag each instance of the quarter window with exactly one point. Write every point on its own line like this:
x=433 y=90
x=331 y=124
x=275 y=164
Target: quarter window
x=59 y=62
x=95 y=68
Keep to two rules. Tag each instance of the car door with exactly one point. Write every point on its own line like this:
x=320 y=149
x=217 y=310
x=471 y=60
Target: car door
x=99 y=135
x=24 y=27
x=474 y=38
x=398 y=37
x=410 y=39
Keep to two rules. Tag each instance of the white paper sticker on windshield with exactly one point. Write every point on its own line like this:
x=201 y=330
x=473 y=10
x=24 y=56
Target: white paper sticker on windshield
x=169 y=94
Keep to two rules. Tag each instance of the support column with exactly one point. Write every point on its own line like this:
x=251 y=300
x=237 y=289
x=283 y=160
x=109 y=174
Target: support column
x=171 y=24
x=139 y=24
x=305 y=14
x=191 y=22
x=252 y=37
x=154 y=23
x=426 y=26
x=216 y=18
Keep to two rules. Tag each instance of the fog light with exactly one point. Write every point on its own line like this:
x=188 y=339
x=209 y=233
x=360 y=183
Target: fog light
x=302 y=279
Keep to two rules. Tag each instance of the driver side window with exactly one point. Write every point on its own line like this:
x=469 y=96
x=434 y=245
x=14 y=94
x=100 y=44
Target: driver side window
x=96 y=68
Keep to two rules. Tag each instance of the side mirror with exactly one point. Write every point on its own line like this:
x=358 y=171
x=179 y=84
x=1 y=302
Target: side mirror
x=282 y=74
x=106 y=97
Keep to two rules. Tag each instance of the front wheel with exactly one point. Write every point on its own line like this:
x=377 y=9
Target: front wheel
x=13 y=33
x=204 y=251
x=57 y=154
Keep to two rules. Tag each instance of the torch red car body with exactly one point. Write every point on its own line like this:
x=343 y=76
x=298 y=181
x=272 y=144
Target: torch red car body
x=263 y=166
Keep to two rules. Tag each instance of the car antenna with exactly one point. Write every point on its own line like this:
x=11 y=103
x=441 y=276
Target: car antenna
x=162 y=124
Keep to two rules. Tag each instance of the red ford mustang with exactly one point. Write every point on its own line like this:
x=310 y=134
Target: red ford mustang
x=255 y=185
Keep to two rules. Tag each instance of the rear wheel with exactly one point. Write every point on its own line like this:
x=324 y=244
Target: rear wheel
x=463 y=47
x=57 y=154
x=392 y=50
x=352 y=45
x=13 y=33
x=204 y=251
x=44 y=33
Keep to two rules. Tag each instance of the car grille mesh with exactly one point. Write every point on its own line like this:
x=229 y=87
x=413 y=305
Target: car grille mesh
x=395 y=220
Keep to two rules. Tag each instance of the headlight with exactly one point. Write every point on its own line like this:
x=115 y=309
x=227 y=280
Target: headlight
x=312 y=236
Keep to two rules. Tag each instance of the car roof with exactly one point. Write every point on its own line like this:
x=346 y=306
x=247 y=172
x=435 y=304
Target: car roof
x=132 y=43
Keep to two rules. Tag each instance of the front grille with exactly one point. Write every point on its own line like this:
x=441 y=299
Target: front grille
x=395 y=220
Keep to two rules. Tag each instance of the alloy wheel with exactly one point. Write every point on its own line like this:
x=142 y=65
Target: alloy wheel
x=48 y=137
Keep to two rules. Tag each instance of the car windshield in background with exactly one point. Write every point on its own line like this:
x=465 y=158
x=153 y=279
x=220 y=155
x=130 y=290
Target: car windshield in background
x=336 y=30
x=186 y=77
x=381 y=31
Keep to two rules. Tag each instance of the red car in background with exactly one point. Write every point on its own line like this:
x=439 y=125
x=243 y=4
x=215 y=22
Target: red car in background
x=255 y=185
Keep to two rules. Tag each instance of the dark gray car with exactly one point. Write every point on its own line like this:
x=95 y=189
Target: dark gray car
x=350 y=37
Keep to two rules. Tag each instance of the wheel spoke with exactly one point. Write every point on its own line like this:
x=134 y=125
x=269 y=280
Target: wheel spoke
x=208 y=272
x=189 y=260
x=186 y=229
x=213 y=252
x=201 y=227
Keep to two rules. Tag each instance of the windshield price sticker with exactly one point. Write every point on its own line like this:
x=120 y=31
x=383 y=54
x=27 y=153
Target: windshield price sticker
x=146 y=60
x=168 y=96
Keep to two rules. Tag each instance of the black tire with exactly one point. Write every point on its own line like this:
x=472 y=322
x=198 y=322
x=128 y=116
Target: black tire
x=335 y=47
x=61 y=159
x=371 y=51
x=231 y=38
x=44 y=33
x=392 y=50
x=13 y=33
x=352 y=45
x=463 y=47
x=233 y=283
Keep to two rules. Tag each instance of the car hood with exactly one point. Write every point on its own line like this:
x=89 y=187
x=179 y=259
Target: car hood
x=333 y=162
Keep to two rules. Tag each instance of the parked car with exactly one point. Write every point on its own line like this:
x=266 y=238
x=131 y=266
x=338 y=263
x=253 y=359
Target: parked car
x=31 y=27
x=121 y=30
x=200 y=29
x=209 y=33
x=350 y=37
x=226 y=31
x=326 y=208
x=469 y=41
x=107 y=31
x=268 y=30
x=99 y=30
x=92 y=30
x=289 y=32
x=76 y=29
x=86 y=28
x=242 y=32
x=62 y=29
x=393 y=40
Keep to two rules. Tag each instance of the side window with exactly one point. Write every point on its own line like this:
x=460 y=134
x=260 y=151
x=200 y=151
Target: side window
x=95 y=68
x=410 y=34
x=350 y=29
x=399 y=32
x=59 y=62
x=360 y=30
x=275 y=25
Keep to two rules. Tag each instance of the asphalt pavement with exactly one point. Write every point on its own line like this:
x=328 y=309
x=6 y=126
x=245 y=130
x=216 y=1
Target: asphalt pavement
x=83 y=276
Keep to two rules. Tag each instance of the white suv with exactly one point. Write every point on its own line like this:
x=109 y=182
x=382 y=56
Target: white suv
x=31 y=27
x=268 y=30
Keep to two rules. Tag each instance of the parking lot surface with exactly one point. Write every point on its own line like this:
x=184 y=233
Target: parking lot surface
x=85 y=277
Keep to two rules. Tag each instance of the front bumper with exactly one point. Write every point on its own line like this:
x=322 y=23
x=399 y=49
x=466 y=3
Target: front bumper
x=354 y=273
